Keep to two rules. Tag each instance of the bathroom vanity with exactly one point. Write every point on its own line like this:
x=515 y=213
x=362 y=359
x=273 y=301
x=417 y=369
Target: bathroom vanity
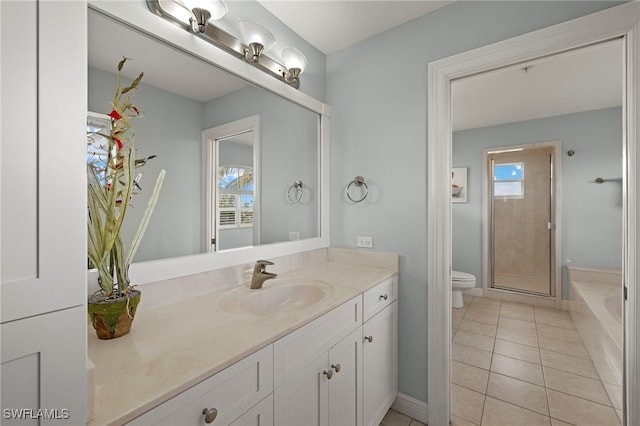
x=330 y=359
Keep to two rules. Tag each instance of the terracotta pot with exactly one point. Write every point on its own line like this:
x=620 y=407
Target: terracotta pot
x=112 y=318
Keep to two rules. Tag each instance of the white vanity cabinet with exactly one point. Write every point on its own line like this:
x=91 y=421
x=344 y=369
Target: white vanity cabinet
x=232 y=396
x=317 y=370
x=43 y=212
x=379 y=351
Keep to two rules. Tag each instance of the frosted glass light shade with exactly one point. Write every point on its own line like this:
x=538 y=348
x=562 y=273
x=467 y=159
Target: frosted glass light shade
x=293 y=58
x=217 y=8
x=254 y=33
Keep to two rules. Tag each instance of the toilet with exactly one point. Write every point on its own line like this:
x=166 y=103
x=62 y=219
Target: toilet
x=460 y=281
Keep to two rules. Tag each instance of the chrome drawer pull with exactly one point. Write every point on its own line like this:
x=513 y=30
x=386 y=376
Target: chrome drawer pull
x=368 y=338
x=210 y=414
x=329 y=374
x=383 y=296
x=336 y=367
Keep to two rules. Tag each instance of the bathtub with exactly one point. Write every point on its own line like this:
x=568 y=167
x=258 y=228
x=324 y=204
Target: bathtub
x=595 y=304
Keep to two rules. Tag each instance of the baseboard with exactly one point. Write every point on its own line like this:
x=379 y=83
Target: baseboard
x=411 y=407
x=475 y=292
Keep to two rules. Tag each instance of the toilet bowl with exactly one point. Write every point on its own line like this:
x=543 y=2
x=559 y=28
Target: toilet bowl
x=460 y=281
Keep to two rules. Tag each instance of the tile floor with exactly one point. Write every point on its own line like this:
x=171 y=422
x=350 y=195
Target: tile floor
x=515 y=364
x=395 y=418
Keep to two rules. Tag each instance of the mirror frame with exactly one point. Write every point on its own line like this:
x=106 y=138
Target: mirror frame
x=138 y=16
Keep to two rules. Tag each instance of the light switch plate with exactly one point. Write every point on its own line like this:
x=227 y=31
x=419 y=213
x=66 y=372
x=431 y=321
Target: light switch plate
x=366 y=242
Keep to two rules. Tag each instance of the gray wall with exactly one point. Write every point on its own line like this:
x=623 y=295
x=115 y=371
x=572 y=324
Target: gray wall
x=591 y=213
x=377 y=90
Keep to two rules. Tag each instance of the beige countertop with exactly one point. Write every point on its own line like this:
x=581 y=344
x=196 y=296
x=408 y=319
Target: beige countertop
x=173 y=347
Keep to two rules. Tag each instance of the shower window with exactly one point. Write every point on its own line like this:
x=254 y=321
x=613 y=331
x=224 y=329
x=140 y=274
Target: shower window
x=507 y=180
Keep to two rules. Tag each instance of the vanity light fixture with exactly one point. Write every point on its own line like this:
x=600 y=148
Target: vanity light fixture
x=196 y=16
x=257 y=37
x=204 y=11
x=295 y=62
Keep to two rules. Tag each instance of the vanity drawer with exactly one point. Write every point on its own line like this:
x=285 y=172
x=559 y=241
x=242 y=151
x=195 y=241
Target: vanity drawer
x=376 y=298
x=299 y=348
x=232 y=392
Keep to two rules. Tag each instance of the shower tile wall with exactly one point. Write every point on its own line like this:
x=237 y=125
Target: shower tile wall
x=515 y=364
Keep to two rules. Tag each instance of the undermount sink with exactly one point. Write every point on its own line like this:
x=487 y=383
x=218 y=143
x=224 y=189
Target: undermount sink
x=279 y=295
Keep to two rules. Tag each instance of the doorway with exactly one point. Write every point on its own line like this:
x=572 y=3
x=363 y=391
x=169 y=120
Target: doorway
x=621 y=21
x=520 y=199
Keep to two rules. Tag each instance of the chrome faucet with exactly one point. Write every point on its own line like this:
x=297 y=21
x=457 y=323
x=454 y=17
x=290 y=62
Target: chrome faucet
x=260 y=274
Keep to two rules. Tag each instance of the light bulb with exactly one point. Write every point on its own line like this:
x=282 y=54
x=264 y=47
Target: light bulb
x=293 y=58
x=254 y=33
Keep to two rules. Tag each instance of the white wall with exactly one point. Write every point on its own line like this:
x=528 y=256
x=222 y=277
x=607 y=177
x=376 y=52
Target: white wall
x=591 y=213
x=377 y=90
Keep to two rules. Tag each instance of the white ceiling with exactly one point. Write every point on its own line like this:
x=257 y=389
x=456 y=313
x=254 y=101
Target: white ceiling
x=332 y=25
x=582 y=80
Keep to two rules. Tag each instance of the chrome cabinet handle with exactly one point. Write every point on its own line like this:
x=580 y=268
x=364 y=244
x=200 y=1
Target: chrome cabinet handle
x=368 y=338
x=383 y=296
x=336 y=367
x=210 y=414
x=329 y=374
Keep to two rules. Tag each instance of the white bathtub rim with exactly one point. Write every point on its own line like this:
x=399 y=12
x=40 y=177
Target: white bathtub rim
x=592 y=294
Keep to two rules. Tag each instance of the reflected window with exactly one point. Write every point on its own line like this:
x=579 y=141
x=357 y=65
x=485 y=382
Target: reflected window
x=97 y=145
x=508 y=180
x=235 y=197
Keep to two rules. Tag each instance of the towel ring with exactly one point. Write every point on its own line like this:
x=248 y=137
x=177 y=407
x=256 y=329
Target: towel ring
x=296 y=195
x=357 y=181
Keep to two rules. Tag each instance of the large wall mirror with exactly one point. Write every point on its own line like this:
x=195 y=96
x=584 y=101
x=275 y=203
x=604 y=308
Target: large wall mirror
x=204 y=124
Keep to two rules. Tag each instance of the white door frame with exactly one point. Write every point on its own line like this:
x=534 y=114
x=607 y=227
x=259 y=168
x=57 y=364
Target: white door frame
x=621 y=21
x=209 y=167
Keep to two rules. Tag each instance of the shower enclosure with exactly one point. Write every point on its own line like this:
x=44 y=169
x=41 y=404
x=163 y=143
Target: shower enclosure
x=521 y=204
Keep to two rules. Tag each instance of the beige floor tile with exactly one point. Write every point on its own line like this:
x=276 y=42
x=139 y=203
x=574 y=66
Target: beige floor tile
x=457 y=421
x=472 y=339
x=517 y=311
x=500 y=413
x=556 y=422
x=607 y=374
x=556 y=344
x=486 y=301
x=575 y=385
x=466 y=404
x=579 y=411
x=478 y=327
x=480 y=316
x=517 y=369
x=559 y=332
x=470 y=355
x=571 y=364
x=517 y=337
x=615 y=394
x=517 y=392
x=395 y=418
x=414 y=422
x=468 y=376
x=556 y=322
x=516 y=350
x=516 y=325
x=541 y=311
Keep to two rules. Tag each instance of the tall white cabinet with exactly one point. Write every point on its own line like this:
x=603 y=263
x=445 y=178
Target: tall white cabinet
x=43 y=221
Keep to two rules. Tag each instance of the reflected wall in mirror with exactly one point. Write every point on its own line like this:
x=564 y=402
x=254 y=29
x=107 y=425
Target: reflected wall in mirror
x=180 y=98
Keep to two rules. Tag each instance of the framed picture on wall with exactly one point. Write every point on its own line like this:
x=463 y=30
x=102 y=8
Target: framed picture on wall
x=459 y=185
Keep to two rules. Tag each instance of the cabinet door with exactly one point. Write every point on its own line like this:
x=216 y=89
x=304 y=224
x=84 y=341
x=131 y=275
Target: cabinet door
x=43 y=369
x=43 y=80
x=379 y=371
x=260 y=415
x=303 y=399
x=345 y=401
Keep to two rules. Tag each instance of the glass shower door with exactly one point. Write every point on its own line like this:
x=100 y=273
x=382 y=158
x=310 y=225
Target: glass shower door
x=521 y=199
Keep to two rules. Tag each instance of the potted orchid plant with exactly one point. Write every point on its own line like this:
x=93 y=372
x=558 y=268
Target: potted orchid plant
x=112 y=184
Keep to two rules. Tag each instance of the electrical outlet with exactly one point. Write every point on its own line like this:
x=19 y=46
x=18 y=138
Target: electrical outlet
x=366 y=242
x=294 y=235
